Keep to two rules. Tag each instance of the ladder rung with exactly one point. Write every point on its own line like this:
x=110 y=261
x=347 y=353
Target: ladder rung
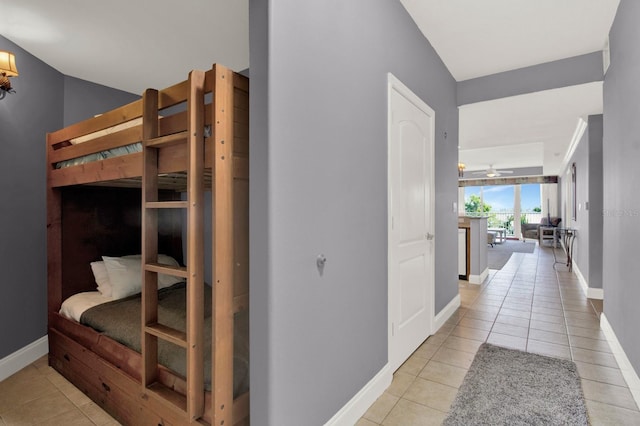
x=167 y=204
x=176 y=271
x=169 y=334
x=166 y=140
x=161 y=391
x=189 y=141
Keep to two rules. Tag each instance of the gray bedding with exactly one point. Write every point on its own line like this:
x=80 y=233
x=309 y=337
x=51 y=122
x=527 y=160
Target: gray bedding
x=120 y=320
x=102 y=155
x=113 y=152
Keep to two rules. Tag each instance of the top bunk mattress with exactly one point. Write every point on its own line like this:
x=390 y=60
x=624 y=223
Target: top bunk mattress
x=102 y=155
x=113 y=152
x=108 y=153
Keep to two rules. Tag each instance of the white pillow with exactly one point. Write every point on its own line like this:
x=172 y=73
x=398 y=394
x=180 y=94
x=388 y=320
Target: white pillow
x=102 y=278
x=125 y=274
x=165 y=280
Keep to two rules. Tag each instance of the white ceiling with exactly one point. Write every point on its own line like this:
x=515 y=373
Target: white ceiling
x=477 y=38
x=482 y=37
x=132 y=45
x=525 y=131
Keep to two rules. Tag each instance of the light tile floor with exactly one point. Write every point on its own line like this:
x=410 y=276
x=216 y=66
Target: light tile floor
x=38 y=395
x=528 y=305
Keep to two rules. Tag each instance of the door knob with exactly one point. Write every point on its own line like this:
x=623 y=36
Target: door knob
x=429 y=236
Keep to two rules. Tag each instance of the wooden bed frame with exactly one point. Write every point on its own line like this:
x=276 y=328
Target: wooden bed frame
x=99 y=208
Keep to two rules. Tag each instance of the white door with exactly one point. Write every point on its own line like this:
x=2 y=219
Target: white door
x=411 y=233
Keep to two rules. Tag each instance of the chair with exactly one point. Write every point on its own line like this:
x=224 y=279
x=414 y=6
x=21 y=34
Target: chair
x=491 y=238
x=532 y=230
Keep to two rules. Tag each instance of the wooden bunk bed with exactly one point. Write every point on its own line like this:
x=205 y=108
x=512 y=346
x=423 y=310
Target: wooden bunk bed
x=193 y=137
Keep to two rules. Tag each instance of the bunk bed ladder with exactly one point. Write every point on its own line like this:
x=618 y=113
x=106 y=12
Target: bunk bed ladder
x=192 y=406
x=223 y=247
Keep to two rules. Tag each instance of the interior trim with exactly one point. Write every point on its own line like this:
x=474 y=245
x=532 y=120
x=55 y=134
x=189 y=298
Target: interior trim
x=446 y=313
x=591 y=293
x=627 y=370
x=18 y=360
x=515 y=180
x=479 y=279
x=581 y=126
x=353 y=410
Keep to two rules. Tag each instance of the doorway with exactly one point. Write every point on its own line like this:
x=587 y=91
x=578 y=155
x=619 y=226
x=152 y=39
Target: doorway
x=411 y=124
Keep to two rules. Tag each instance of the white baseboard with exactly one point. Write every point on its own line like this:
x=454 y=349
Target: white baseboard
x=22 y=357
x=595 y=293
x=583 y=282
x=446 y=313
x=627 y=370
x=591 y=293
x=479 y=279
x=360 y=403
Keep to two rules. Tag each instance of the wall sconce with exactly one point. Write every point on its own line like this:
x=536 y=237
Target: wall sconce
x=7 y=69
x=461 y=167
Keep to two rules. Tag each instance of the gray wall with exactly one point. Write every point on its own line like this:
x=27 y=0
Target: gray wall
x=595 y=200
x=478 y=230
x=581 y=223
x=587 y=249
x=319 y=185
x=25 y=117
x=38 y=107
x=551 y=75
x=262 y=356
x=621 y=155
x=84 y=99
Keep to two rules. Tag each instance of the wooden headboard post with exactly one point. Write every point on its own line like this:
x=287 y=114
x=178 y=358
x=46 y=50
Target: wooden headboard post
x=54 y=250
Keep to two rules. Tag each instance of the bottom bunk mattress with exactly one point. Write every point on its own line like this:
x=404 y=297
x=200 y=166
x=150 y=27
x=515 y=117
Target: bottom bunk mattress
x=120 y=321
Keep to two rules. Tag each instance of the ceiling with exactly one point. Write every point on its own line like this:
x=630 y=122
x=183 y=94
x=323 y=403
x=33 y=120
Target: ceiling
x=479 y=38
x=132 y=45
x=530 y=130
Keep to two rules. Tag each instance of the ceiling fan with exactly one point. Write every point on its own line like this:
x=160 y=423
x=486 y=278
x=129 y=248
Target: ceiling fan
x=491 y=172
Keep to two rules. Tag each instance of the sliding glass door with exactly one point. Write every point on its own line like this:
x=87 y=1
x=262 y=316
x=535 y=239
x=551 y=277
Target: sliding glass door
x=505 y=206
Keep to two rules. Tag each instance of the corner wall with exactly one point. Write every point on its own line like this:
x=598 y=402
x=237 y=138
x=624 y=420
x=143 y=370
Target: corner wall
x=621 y=155
x=595 y=201
x=84 y=99
x=37 y=107
x=550 y=75
x=319 y=115
x=587 y=248
x=25 y=117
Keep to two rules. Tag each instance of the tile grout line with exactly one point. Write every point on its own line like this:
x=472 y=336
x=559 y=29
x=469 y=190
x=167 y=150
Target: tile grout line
x=75 y=406
x=440 y=345
x=571 y=349
x=554 y=287
x=533 y=296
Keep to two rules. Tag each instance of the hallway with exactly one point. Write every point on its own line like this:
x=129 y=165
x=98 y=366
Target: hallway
x=527 y=305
